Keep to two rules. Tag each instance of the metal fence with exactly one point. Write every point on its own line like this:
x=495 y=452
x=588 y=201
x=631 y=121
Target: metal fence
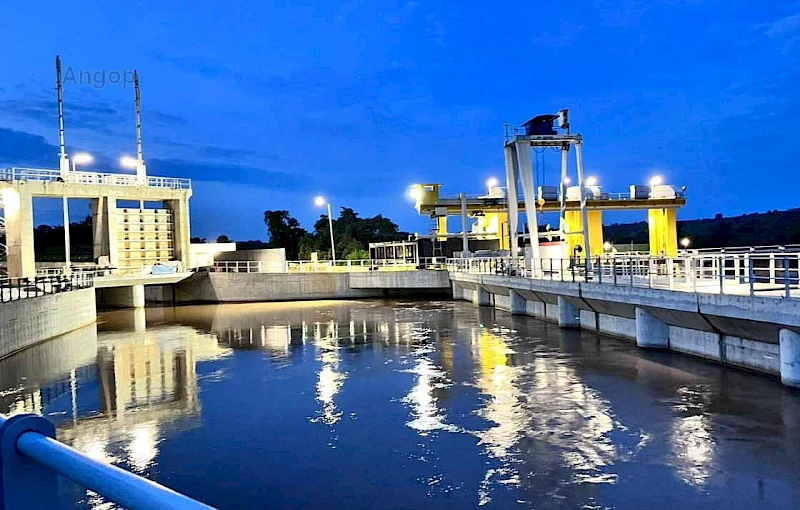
x=326 y=266
x=14 y=289
x=48 y=175
x=31 y=459
x=752 y=273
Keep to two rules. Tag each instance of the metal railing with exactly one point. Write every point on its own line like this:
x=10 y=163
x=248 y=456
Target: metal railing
x=31 y=459
x=47 y=175
x=753 y=273
x=326 y=266
x=14 y=289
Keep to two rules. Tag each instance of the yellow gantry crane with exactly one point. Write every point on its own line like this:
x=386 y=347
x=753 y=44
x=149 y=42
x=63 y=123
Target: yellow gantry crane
x=580 y=207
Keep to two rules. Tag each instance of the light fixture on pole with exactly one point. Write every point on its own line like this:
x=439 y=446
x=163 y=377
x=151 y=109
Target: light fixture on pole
x=657 y=180
x=492 y=183
x=685 y=242
x=319 y=202
x=128 y=162
x=81 y=158
x=591 y=181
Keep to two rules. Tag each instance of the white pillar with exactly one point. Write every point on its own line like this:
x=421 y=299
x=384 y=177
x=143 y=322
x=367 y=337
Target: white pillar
x=517 y=303
x=180 y=232
x=464 y=221
x=562 y=186
x=584 y=213
x=512 y=176
x=67 y=242
x=790 y=357
x=529 y=194
x=481 y=297
x=569 y=316
x=651 y=332
x=19 y=233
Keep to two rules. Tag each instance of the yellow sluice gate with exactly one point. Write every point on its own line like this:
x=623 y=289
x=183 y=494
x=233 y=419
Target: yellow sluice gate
x=663 y=228
x=574 y=223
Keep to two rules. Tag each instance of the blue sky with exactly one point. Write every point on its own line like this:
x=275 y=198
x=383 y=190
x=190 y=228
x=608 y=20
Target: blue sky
x=265 y=105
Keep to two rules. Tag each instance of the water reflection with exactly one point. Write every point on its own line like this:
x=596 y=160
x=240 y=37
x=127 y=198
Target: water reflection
x=445 y=404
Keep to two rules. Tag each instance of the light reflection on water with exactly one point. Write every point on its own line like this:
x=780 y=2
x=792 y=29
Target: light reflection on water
x=441 y=404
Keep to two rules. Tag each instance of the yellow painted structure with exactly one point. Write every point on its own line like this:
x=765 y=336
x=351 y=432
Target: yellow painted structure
x=441 y=228
x=495 y=223
x=663 y=232
x=574 y=228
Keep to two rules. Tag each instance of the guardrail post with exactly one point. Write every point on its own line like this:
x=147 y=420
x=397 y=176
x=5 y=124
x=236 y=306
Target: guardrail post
x=721 y=266
x=631 y=271
x=751 y=276
x=786 y=280
x=671 y=273
x=25 y=484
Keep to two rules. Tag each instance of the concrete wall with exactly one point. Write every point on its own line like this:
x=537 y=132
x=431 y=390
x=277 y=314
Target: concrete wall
x=244 y=287
x=29 y=321
x=734 y=330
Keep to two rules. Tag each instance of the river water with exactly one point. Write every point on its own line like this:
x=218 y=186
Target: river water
x=404 y=404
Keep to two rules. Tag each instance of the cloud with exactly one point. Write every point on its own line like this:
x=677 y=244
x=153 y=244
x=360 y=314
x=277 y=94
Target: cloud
x=258 y=177
x=95 y=115
x=165 y=119
x=18 y=148
x=783 y=28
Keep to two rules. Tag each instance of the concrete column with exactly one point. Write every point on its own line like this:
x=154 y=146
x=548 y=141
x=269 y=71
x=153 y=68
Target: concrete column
x=482 y=297
x=123 y=297
x=790 y=357
x=458 y=291
x=517 y=302
x=180 y=234
x=651 y=332
x=569 y=316
x=99 y=227
x=18 y=207
x=112 y=233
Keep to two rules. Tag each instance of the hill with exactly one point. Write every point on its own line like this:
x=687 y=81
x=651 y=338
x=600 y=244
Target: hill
x=757 y=229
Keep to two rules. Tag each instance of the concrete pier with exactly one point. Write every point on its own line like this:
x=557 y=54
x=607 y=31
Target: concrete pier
x=122 y=297
x=481 y=297
x=568 y=314
x=651 y=333
x=790 y=357
x=517 y=303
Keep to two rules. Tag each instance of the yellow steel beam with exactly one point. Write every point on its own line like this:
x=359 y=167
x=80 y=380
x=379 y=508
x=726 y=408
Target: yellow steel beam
x=663 y=232
x=574 y=228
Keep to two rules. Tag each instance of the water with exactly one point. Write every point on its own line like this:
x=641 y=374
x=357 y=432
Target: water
x=340 y=405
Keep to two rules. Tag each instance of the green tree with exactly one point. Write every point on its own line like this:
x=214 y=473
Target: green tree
x=284 y=232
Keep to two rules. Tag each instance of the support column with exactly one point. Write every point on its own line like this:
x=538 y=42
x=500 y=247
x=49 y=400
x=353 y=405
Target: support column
x=790 y=357
x=482 y=297
x=662 y=224
x=18 y=207
x=517 y=303
x=528 y=192
x=99 y=227
x=569 y=316
x=458 y=291
x=180 y=232
x=587 y=249
x=651 y=332
x=123 y=297
x=512 y=176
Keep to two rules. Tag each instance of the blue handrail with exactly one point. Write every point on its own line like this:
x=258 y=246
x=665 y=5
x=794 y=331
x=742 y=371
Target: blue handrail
x=30 y=459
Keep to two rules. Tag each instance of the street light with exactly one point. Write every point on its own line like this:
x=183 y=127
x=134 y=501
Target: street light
x=492 y=183
x=607 y=246
x=685 y=242
x=657 y=180
x=591 y=181
x=81 y=158
x=128 y=162
x=319 y=202
x=415 y=192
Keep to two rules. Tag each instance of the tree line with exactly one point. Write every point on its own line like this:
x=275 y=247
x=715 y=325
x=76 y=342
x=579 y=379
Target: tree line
x=756 y=229
x=352 y=234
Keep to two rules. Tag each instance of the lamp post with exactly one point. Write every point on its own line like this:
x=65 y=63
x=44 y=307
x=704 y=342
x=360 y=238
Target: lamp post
x=319 y=202
x=81 y=158
x=128 y=162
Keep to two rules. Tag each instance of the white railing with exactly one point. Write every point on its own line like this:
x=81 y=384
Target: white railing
x=763 y=274
x=46 y=175
x=326 y=266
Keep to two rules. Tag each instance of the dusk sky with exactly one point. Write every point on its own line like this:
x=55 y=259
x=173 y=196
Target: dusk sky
x=266 y=104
